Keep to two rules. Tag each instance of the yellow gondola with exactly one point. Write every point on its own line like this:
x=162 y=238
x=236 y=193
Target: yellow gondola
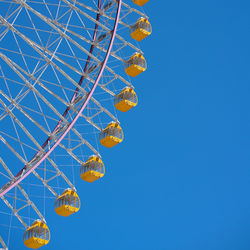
x=140 y=2
x=126 y=100
x=93 y=169
x=141 y=29
x=37 y=235
x=68 y=203
x=111 y=135
x=135 y=65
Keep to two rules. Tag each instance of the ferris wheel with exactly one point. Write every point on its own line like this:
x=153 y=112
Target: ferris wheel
x=65 y=72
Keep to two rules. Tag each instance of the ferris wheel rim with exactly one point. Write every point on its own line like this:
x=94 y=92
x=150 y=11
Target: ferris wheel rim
x=21 y=176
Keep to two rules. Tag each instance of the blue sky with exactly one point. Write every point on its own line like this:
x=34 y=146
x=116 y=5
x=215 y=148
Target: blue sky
x=181 y=178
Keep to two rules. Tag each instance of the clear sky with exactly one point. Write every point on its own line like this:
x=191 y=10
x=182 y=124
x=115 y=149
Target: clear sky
x=181 y=178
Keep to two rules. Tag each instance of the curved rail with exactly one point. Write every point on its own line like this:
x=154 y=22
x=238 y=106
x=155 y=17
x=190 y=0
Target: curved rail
x=22 y=174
